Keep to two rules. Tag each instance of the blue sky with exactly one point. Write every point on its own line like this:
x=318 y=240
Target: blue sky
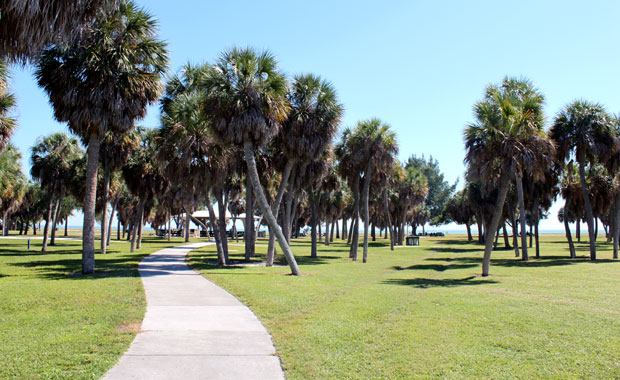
x=417 y=65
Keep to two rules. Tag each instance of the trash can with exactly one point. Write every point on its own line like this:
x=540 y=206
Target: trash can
x=412 y=240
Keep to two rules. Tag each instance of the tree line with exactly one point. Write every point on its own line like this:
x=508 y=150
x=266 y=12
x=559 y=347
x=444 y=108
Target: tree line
x=516 y=168
x=236 y=134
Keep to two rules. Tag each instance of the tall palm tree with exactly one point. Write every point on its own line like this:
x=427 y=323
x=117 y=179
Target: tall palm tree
x=245 y=93
x=7 y=103
x=27 y=26
x=103 y=81
x=501 y=143
x=114 y=152
x=52 y=163
x=374 y=145
x=585 y=131
x=308 y=130
x=192 y=158
x=370 y=146
x=144 y=178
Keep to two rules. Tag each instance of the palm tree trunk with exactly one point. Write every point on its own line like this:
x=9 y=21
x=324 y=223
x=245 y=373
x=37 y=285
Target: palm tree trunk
x=88 y=233
x=170 y=226
x=337 y=226
x=66 y=226
x=469 y=237
x=343 y=236
x=275 y=208
x=496 y=239
x=365 y=196
x=356 y=212
x=314 y=224
x=373 y=232
x=222 y=257
x=537 y=239
x=531 y=234
x=104 y=211
x=109 y=233
x=497 y=214
x=262 y=201
x=578 y=229
x=55 y=220
x=588 y=207
x=515 y=235
x=519 y=180
x=5 y=224
x=327 y=232
x=506 y=241
x=188 y=215
x=248 y=234
x=569 y=237
x=221 y=205
x=616 y=225
x=134 y=228
x=595 y=228
x=48 y=218
x=234 y=228
x=140 y=226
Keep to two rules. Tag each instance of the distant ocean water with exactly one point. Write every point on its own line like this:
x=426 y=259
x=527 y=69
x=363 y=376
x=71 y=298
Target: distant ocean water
x=428 y=230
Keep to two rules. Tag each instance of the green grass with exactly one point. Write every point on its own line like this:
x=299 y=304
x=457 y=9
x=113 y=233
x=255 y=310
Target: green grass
x=58 y=324
x=424 y=312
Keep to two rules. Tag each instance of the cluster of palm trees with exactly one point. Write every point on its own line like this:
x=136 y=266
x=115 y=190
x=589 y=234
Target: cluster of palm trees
x=516 y=168
x=235 y=134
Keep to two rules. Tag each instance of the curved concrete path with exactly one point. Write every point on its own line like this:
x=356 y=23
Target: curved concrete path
x=194 y=329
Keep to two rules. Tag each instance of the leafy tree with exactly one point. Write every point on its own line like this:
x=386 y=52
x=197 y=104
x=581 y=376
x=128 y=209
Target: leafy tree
x=103 y=81
x=439 y=190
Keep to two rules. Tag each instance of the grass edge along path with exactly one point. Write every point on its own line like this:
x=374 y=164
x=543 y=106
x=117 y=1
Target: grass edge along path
x=425 y=313
x=58 y=324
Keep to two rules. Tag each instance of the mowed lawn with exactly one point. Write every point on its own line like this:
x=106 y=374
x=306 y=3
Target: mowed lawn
x=56 y=323
x=424 y=312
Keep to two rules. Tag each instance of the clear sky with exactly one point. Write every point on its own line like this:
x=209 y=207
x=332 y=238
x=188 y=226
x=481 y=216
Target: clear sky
x=417 y=65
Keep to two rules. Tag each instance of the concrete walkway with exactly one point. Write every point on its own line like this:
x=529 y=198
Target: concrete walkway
x=194 y=329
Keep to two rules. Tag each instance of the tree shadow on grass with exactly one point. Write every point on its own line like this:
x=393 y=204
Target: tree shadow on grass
x=445 y=283
x=458 y=242
x=545 y=261
x=119 y=266
x=456 y=249
x=435 y=267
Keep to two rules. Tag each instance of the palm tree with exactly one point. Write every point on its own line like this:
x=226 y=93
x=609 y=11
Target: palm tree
x=7 y=102
x=27 y=26
x=52 y=162
x=144 y=178
x=13 y=184
x=114 y=152
x=103 y=81
x=503 y=141
x=192 y=158
x=585 y=131
x=245 y=93
x=375 y=144
x=308 y=130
